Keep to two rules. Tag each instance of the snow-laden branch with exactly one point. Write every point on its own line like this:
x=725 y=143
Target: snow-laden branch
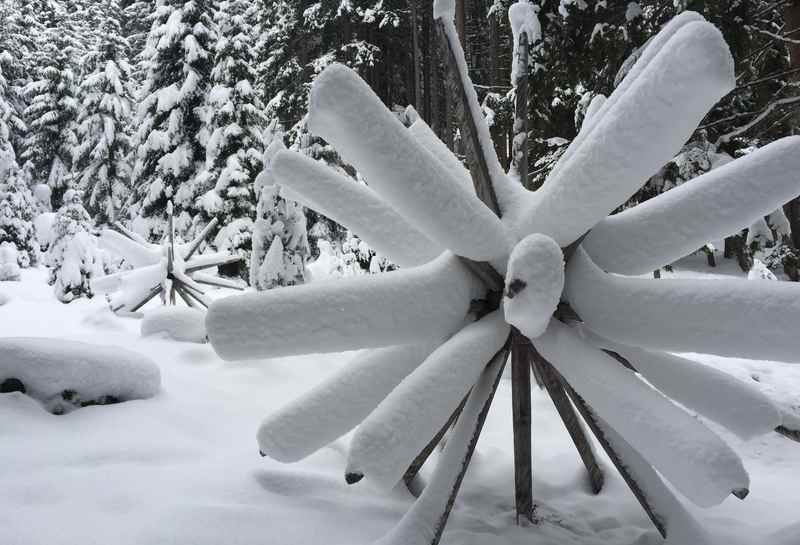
x=399 y=307
x=390 y=438
x=688 y=454
x=339 y=403
x=355 y=206
x=726 y=317
x=638 y=129
x=712 y=206
x=348 y=114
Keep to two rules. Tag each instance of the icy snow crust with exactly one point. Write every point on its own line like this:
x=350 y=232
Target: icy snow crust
x=678 y=222
x=48 y=367
x=690 y=456
x=638 y=129
x=390 y=438
x=348 y=114
x=537 y=264
x=427 y=302
x=179 y=323
x=727 y=317
x=356 y=207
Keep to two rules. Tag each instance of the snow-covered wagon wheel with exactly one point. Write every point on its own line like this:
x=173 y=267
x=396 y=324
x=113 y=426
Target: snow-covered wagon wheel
x=490 y=268
x=164 y=269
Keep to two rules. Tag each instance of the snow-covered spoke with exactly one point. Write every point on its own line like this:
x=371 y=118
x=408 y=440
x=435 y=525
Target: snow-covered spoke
x=136 y=254
x=424 y=522
x=737 y=405
x=347 y=113
x=355 y=206
x=339 y=403
x=428 y=139
x=427 y=302
x=634 y=135
x=710 y=207
x=725 y=317
x=389 y=439
x=688 y=454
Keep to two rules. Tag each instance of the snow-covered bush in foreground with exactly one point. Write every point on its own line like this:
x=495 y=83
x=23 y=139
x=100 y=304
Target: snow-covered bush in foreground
x=65 y=375
x=528 y=262
x=9 y=266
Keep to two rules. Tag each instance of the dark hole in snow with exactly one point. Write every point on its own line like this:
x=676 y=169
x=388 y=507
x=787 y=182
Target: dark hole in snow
x=11 y=385
x=515 y=287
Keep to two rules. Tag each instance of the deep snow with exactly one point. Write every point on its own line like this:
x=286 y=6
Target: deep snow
x=183 y=467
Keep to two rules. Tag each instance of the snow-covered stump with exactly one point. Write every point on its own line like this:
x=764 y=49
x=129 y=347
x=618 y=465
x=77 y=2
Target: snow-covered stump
x=520 y=269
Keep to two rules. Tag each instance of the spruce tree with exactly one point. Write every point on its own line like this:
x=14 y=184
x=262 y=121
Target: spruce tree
x=52 y=110
x=17 y=210
x=235 y=149
x=170 y=140
x=10 y=123
x=72 y=257
x=102 y=155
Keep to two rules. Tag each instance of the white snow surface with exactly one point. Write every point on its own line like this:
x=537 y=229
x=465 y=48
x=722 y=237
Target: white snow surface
x=710 y=207
x=689 y=455
x=355 y=206
x=537 y=264
x=426 y=302
x=386 y=443
x=185 y=467
x=428 y=139
x=48 y=367
x=339 y=403
x=638 y=129
x=348 y=114
x=729 y=317
x=175 y=322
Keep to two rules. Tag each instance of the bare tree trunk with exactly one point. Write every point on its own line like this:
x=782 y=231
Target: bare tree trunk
x=791 y=17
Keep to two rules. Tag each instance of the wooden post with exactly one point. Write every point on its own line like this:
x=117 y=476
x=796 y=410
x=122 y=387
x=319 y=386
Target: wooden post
x=521 y=412
x=520 y=140
x=570 y=419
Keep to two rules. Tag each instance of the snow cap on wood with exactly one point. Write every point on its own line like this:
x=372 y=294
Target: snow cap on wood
x=347 y=113
x=534 y=282
x=403 y=306
x=391 y=437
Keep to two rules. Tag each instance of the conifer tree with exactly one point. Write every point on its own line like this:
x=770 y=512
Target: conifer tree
x=17 y=210
x=10 y=123
x=102 y=155
x=235 y=149
x=171 y=120
x=52 y=110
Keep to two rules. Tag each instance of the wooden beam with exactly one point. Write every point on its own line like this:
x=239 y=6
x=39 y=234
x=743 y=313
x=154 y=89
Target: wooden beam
x=619 y=463
x=422 y=457
x=520 y=142
x=521 y=413
x=198 y=240
x=570 y=419
x=152 y=293
x=794 y=435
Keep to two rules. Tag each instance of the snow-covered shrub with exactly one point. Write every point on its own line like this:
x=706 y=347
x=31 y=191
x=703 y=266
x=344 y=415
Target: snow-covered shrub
x=9 y=265
x=17 y=211
x=72 y=256
x=759 y=271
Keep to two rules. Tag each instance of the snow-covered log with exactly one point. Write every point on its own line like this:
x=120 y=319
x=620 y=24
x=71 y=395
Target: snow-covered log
x=349 y=115
x=534 y=282
x=404 y=306
x=640 y=128
x=339 y=403
x=355 y=206
x=424 y=523
x=710 y=207
x=737 y=405
x=389 y=439
x=726 y=317
x=49 y=367
x=688 y=454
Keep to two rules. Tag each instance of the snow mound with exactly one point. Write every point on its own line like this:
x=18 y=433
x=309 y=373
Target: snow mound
x=3 y=299
x=534 y=282
x=68 y=374
x=179 y=323
x=9 y=266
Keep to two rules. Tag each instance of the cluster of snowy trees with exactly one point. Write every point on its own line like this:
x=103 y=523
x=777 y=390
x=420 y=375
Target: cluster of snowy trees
x=134 y=104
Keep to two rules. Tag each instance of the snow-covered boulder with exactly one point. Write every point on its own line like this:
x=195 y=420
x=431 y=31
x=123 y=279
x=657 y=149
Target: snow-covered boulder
x=65 y=375
x=179 y=323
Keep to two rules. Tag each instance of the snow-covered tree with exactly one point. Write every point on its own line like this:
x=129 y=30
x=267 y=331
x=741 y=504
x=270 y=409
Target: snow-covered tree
x=171 y=122
x=52 y=110
x=10 y=123
x=17 y=211
x=235 y=149
x=73 y=258
x=101 y=157
x=280 y=240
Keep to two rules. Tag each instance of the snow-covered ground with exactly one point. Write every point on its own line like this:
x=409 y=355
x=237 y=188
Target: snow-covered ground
x=183 y=467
